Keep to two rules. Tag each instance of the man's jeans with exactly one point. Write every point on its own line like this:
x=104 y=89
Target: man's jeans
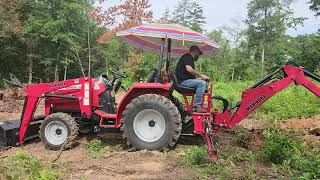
x=200 y=86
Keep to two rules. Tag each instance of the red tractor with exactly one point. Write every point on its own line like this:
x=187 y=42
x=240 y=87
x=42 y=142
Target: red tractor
x=150 y=116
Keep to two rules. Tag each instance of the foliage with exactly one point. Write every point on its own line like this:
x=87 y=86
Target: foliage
x=268 y=21
x=315 y=6
x=250 y=173
x=305 y=50
x=195 y=157
x=9 y=22
x=289 y=155
x=278 y=147
x=96 y=148
x=121 y=16
x=55 y=44
x=24 y=166
x=241 y=155
x=189 y=13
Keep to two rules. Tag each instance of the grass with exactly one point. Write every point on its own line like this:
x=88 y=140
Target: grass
x=195 y=157
x=25 y=166
x=289 y=155
x=97 y=148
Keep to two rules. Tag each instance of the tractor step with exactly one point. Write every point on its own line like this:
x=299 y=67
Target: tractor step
x=107 y=120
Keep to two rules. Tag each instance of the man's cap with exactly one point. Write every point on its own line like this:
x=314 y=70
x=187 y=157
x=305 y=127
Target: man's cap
x=195 y=47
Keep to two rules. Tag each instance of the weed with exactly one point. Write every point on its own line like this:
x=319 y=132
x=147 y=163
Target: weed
x=97 y=147
x=240 y=155
x=290 y=157
x=196 y=158
x=24 y=166
x=250 y=172
x=194 y=155
x=278 y=147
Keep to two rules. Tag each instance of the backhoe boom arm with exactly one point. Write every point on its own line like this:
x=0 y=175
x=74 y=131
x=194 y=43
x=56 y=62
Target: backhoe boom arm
x=255 y=96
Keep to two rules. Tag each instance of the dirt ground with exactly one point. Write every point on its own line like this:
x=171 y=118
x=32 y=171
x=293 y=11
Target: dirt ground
x=119 y=164
x=123 y=164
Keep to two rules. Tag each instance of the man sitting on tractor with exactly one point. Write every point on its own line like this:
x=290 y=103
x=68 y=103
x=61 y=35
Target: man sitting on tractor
x=188 y=77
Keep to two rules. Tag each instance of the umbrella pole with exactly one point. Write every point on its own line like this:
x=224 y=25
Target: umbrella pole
x=168 y=55
x=160 y=59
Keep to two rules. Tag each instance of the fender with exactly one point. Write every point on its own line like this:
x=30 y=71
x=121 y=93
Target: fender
x=139 y=89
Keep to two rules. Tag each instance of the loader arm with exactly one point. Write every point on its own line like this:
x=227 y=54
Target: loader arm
x=36 y=91
x=255 y=96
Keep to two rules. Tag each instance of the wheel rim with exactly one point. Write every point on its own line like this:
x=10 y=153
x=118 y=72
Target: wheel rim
x=149 y=125
x=56 y=133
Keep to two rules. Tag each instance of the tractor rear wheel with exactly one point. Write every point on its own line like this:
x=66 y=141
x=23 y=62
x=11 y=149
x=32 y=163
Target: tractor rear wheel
x=58 y=130
x=151 y=122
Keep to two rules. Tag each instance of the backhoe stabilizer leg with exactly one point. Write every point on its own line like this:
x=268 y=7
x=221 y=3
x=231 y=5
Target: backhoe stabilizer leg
x=26 y=116
x=210 y=141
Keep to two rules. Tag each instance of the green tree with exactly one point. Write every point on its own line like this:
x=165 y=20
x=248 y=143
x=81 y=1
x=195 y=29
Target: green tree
x=304 y=50
x=166 y=18
x=9 y=18
x=267 y=23
x=189 y=13
x=10 y=30
x=315 y=6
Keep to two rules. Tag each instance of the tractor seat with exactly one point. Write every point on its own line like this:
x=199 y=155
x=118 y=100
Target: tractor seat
x=178 y=87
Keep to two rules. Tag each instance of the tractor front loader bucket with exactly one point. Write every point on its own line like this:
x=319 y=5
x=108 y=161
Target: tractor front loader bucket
x=9 y=131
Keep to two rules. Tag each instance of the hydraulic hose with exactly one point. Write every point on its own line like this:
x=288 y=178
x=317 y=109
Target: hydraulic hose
x=311 y=75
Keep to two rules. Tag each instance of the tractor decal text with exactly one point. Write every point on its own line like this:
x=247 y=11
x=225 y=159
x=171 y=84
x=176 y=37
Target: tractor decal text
x=57 y=85
x=256 y=102
x=86 y=95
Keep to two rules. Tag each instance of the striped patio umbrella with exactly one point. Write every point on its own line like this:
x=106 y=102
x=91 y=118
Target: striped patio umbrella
x=149 y=37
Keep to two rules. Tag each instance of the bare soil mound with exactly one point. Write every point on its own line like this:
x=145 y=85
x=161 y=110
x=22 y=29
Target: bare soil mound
x=307 y=124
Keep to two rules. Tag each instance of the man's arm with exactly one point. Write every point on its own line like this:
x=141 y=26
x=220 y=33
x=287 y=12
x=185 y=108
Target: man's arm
x=192 y=71
x=196 y=73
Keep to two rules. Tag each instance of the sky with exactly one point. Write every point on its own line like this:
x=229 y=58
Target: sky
x=233 y=12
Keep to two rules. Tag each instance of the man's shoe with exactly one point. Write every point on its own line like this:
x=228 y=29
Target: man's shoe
x=198 y=109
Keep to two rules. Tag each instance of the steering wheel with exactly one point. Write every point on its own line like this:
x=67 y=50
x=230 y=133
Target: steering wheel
x=117 y=74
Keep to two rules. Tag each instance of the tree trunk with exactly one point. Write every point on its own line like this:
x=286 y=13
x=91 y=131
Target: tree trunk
x=232 y=77
x=30 y=69
x=76 y=56
x=107 y=69
x=65 y=72
x=30 y=55
x=262 y=61
x=89 y=53
x=56 y=69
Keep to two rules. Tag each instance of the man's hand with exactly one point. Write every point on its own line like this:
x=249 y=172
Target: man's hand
x=205 y=77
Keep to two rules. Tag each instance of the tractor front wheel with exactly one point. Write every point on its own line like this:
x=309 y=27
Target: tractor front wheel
x=151 y=122
x=58 y=130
